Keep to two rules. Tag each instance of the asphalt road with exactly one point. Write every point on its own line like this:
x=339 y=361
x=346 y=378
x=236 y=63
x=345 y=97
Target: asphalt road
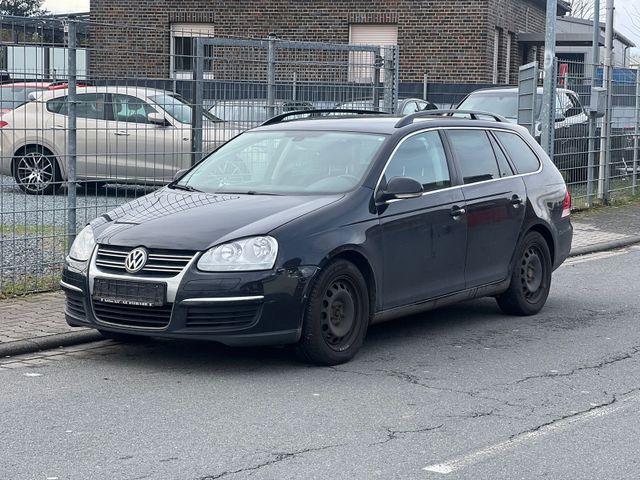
x=463 y=392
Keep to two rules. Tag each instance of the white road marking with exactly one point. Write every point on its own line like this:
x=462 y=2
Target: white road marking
x=463 y=461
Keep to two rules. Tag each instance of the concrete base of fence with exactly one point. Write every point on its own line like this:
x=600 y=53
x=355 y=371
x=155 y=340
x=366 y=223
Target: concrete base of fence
x=602 y=247
x=20 y=347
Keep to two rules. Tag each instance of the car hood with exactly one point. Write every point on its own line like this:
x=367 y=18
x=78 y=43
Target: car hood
x=180 y=220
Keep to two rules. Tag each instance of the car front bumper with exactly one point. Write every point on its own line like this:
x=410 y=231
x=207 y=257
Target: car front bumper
x=233 y=308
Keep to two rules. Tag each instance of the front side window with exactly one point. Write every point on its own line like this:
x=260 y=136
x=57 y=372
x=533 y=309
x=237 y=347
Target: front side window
x=127 y=108
x=475 y=155
x=287 y=162
x=179 y=108
x=421 y=157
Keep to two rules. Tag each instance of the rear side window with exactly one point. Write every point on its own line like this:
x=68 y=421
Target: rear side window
x=475 y=155
x=519 y=152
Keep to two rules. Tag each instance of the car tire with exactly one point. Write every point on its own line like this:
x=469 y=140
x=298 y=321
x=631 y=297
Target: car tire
x=530 y=279
x=36 y=171
x=336 y=316
x=122 y=337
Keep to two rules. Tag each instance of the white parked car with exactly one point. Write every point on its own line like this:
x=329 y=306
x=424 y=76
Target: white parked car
x=124 y=135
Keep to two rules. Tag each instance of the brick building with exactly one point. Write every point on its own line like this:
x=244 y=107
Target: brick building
x=456 y=41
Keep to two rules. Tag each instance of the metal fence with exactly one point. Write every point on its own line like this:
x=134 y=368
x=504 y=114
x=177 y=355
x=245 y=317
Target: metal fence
x=94 y=115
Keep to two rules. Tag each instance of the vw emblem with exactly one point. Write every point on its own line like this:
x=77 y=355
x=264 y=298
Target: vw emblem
x=136 y=260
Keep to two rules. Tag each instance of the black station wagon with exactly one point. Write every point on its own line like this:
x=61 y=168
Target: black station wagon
x=305 y=232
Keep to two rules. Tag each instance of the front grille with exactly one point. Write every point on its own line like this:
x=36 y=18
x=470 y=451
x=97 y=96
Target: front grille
x=74 y=304
x=223 y=316
x=133 y=316
x=161 y=263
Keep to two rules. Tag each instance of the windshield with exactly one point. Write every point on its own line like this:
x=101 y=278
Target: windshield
x=13 y=97
x=286 y=162
x=179 y=108
x=500 y=103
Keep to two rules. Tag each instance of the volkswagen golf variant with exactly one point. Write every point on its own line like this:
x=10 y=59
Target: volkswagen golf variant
x=305 y=232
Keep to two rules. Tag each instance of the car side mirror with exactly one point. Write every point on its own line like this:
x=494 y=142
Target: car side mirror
x=179 y=174
x=560 y=117
x=400 y=188
x=157 y=119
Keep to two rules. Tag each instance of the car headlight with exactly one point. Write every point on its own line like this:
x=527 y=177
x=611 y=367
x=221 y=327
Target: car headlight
x=253 y=253
x=83 y=245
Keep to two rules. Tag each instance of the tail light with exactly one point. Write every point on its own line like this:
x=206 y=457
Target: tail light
x=566 y=205
x=3 y=123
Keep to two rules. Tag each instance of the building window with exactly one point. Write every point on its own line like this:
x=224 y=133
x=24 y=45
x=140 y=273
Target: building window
x=507 y=70
x=361 y=63
x=183 y=48
x=496 y=55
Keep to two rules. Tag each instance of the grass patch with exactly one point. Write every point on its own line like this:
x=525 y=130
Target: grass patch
x=31 y=230
x=30 y=284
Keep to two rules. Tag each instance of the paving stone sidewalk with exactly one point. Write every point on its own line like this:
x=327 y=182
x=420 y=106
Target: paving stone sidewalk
x=36 y=322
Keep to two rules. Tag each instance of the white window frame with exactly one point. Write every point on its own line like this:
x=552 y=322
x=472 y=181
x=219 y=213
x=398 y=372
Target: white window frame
x=507 y=75
x=187 y=30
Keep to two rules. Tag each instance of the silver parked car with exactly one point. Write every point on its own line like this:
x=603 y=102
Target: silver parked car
x=124 y=135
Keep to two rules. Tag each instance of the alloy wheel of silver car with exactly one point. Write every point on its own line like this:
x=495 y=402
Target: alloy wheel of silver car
x=36 y=172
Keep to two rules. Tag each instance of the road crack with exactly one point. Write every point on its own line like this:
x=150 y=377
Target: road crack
x=603 y=363
x=393 y=434
x=278 y=457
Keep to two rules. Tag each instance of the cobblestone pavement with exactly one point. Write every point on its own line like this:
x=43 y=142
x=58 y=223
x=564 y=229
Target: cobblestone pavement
x=42 y=315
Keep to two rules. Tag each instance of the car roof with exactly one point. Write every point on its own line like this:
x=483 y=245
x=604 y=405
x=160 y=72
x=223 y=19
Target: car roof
x=137 y=91
x=513 y=90
x=382 y=124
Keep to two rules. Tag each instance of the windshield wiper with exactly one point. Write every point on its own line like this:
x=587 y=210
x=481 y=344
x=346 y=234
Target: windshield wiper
x=186 y=188
x=249 y=192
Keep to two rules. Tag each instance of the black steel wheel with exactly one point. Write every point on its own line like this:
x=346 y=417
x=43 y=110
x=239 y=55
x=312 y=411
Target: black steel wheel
x=530 y=279
x=36 y=171
x=336 y=317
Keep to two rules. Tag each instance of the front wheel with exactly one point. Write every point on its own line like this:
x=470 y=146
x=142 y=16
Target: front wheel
x=530 y=279
x=336 y=317
x=37 y=172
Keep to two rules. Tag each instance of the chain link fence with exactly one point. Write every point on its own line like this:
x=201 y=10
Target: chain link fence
x=94 y=115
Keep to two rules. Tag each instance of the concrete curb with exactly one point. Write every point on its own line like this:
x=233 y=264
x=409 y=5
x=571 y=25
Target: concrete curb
x=20 y=347
x=602 y=247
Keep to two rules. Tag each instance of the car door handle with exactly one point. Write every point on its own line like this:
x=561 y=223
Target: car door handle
x=57 y=127
x=457 y=212
x=516 y=201
x=121 y=133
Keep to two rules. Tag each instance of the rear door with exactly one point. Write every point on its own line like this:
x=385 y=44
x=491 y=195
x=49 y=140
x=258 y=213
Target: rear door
x=92 y=131
x=423 y=240
x=495 y=205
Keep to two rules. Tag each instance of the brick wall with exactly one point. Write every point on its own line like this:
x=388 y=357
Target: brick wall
x=451 y=40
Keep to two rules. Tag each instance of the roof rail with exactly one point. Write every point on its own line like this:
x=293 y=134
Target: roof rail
x=408 y=120
x=315 y=113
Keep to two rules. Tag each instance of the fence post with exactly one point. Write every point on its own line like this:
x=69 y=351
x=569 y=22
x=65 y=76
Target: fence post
x=389 y=79
x=197 y=101
x=634 y=172
x=377 y=65
x=425 y=85
x=549 y=82
x=294 y=93
x=71 y=131
x=271 y=75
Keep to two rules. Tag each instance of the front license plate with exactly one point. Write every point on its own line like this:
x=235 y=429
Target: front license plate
x=125 y=292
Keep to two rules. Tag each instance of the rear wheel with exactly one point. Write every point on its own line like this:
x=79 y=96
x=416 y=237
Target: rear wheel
x=336 y=317
x=36 y=171
x=530 y=279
